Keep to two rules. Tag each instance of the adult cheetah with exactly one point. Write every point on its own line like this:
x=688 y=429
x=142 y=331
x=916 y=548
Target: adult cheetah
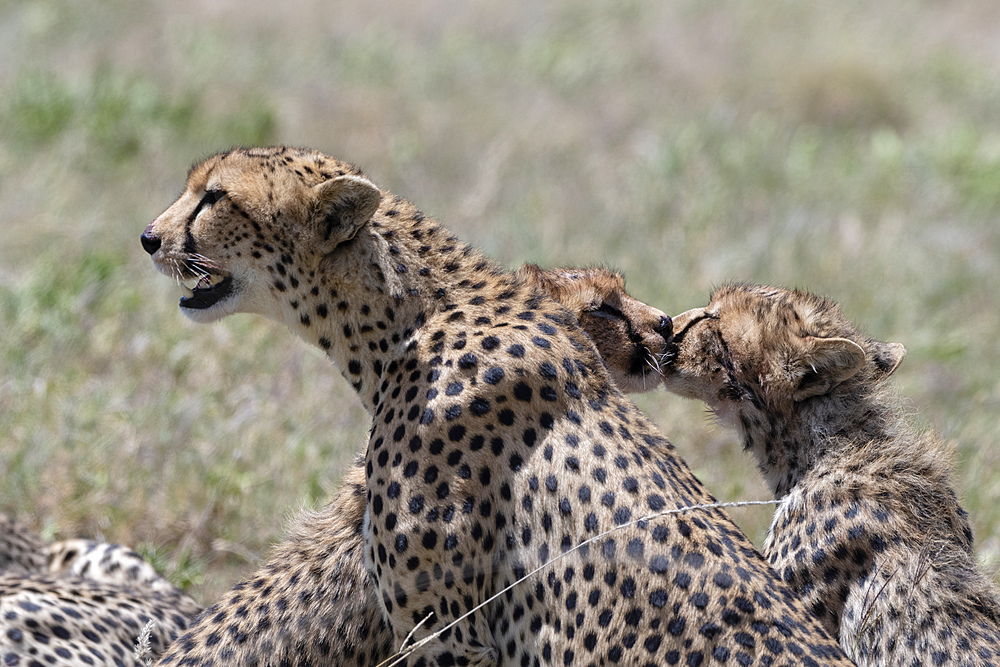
x=340 y=620
x=498 y=440
x=870 y=532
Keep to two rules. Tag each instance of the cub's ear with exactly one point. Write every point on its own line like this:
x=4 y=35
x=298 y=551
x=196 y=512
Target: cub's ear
x=826 y=362
x=543 y=279
x=531 y=273
x=888 y=357
x=344 y=205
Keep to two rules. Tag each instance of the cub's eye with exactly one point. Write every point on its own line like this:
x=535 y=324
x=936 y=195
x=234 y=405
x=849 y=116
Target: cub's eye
x=608 y=311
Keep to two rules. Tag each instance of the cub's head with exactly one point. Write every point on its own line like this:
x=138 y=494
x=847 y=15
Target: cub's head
x=253 y=224
x=630 y=335
x=767 y=350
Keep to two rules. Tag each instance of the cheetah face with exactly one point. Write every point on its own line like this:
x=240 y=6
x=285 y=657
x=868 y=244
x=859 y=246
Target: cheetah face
x=200 y=267
x=630 y=335
x=698 y=363
x=767 y=349
x=249 y=227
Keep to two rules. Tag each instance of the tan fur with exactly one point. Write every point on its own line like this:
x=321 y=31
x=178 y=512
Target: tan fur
x=870 y=532
x=325 y=550
x=64 y=619
x=108 y=563
x=498 y=439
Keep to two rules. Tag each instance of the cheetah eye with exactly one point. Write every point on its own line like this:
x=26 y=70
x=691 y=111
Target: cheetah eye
x=607 y=311
x=207 y=201
x=210 y=197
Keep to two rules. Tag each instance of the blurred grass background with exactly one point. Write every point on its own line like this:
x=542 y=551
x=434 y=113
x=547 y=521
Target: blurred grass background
x=851 y=148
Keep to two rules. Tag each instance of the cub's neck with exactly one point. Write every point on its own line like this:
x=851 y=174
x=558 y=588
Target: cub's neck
x=789 y=443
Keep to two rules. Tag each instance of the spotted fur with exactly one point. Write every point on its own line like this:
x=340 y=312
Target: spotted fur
x=21 y=549
x=341 y=621
x=498 y=440
x=80 y=602
x=870 y=532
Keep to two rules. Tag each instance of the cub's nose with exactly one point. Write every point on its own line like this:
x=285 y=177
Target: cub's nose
x=150 y=241
x=665 y=328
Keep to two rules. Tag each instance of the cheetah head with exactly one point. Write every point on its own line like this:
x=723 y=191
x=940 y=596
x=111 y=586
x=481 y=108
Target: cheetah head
x=769 y=349
x=247 y=209
x=630 y=335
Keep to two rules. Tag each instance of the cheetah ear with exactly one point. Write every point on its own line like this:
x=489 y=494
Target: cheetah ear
x=888 y=357
x=826 y=363
x=539 y=277
x=531 y=273
x=345 y=204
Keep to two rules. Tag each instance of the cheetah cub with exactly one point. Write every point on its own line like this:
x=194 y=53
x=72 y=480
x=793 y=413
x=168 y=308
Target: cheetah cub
x=870 y=531
x=627 y=332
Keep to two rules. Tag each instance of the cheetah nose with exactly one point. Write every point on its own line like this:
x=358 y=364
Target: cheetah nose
x=665 y=328
x=150 y=241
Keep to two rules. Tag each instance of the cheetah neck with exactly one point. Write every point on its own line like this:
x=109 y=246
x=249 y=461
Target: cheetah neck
x=370 y=302
x=790 y=443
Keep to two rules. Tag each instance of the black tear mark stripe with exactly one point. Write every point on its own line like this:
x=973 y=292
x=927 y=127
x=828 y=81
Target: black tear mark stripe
x=208 y=199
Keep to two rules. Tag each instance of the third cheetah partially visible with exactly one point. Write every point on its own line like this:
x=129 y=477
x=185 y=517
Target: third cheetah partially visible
x=870 y=531
x=81 y=602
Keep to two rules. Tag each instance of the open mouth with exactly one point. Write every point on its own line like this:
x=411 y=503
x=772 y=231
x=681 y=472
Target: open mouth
x=209 y=290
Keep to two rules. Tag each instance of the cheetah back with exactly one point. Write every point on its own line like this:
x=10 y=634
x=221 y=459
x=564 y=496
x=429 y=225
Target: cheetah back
x=329 y=613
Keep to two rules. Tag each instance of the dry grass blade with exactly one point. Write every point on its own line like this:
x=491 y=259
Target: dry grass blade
x=143 y=651
x=404 y=653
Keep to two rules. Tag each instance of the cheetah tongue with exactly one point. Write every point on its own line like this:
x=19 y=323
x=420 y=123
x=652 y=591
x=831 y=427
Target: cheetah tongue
x=208 y=292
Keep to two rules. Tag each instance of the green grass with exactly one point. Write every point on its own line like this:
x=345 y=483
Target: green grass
x=847 y=148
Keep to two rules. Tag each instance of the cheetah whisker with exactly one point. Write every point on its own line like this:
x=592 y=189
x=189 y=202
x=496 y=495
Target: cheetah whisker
x=205 y=262
x=665 y=359
x=175 y=269
x=402 y=655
